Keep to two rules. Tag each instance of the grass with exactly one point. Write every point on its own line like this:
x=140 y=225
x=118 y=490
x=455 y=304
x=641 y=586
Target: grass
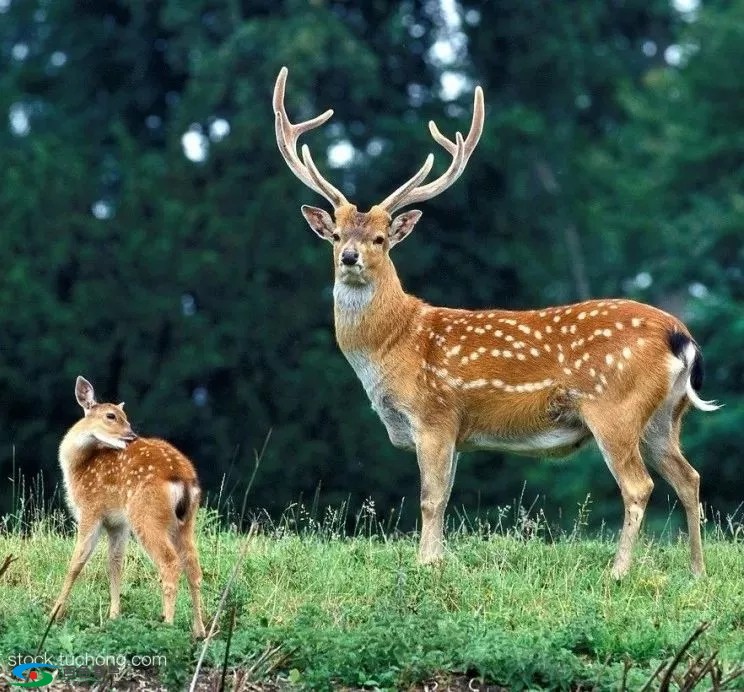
x=315 y=607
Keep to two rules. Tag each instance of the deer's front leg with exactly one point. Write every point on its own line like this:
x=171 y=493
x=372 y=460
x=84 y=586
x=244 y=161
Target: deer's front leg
x=437 y=461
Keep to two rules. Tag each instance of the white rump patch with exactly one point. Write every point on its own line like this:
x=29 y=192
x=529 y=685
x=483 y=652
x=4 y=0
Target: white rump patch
x=176 y=492
x=175 y=488
x=677 y=366
x=690 y=353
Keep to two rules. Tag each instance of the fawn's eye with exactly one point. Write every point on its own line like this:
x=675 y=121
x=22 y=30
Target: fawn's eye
x=336 y=237
x=110 y=416
x=379 y=240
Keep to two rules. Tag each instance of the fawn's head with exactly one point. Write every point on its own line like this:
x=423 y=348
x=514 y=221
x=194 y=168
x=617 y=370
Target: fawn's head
x=103 y=424
x=361 y=240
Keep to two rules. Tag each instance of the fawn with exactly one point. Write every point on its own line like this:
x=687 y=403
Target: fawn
x=536 y=382
x=118 y=481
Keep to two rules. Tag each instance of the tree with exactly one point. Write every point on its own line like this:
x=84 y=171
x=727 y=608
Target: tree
x=153 y=242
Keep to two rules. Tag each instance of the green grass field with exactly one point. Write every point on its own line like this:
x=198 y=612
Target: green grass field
x=314 y=608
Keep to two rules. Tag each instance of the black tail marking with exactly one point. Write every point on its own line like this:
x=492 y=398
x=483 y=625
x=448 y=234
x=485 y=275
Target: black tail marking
x=182 y=506
x=698 y=371
x=677 y=343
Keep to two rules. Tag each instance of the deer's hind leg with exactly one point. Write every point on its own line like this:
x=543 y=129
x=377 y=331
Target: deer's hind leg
x=186 y=546
x=154 y=523
x=618 y=436
x=661 y=449
x=118 y=535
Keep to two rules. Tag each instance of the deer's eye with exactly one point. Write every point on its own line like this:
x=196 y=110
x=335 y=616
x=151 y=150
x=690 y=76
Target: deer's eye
x=336 y=237
x=110 y=416
x=379 y=240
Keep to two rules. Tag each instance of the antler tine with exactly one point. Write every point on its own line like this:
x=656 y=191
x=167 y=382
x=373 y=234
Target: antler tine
x=287 y=134
x=290 y=157
x=432 y=189
x=397 y=198
x=460 y=150
x=476 y=128
x=331 y=193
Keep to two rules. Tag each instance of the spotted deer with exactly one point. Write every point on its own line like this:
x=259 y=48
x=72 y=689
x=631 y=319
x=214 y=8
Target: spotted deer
x=536 y=382
x=119 y=482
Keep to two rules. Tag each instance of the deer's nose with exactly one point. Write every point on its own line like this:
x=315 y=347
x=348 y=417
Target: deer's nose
x=349 y=257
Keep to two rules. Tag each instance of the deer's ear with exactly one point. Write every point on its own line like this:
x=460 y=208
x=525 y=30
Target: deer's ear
x=84 y=394
x=402 y=225
x=320 y=221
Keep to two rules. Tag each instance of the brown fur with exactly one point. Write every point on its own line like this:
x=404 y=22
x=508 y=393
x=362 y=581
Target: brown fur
x=537 y=382
x=117 y=482
x=598 y=369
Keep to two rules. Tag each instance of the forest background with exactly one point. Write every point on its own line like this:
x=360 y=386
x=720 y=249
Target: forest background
x=151 y=237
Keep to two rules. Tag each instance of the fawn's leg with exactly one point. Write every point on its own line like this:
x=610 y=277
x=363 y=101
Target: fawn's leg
x=88 y=532
x=186 y=546
x=153 y=525
x=118 y=535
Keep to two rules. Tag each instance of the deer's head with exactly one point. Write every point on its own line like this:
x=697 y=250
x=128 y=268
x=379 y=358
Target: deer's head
x=362 y=240
x=103 y=425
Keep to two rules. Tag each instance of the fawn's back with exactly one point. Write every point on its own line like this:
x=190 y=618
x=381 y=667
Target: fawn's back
x=119 y=481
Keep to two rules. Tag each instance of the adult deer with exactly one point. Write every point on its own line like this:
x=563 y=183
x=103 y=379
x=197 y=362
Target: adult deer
x=537 y=382
x=118 y=481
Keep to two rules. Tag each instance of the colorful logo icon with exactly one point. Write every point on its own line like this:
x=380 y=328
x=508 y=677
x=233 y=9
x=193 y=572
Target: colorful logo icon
x=32 y=675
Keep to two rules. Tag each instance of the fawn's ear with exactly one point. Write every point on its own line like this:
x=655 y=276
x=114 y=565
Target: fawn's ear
x=120 y=405
x=320 y=221
x=84 y=394
x=402 y=225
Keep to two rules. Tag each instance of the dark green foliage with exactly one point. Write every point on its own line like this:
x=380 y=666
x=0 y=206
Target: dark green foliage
x=204 y=301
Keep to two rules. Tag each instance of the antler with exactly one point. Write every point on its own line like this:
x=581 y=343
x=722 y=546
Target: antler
x=410 y=193
x=288 y=133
